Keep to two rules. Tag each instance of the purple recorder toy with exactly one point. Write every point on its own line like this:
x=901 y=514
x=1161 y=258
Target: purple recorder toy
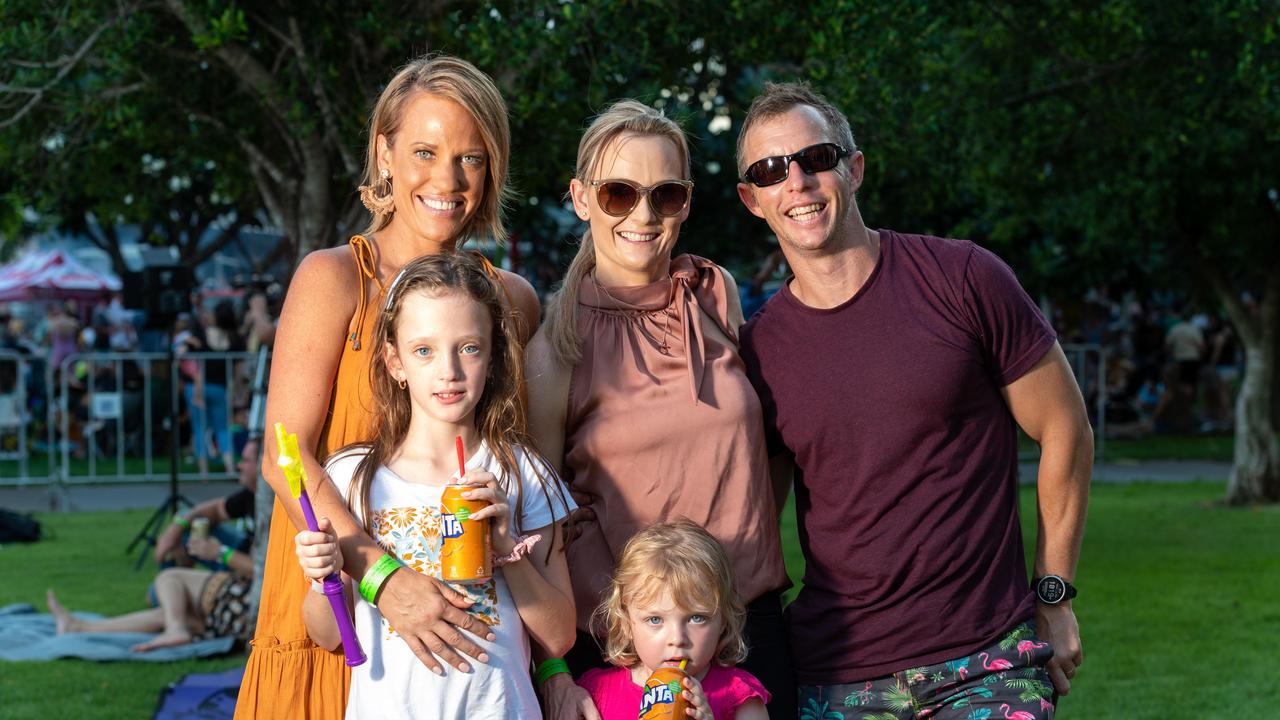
x=290 y=461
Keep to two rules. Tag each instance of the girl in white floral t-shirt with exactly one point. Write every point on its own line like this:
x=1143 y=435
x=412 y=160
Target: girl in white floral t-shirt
x=449 y=367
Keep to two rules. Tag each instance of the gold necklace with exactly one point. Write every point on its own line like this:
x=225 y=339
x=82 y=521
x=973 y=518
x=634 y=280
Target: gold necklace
x=663 y=346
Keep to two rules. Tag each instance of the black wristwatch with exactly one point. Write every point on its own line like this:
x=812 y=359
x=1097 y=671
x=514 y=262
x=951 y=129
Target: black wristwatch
x=1052 y=589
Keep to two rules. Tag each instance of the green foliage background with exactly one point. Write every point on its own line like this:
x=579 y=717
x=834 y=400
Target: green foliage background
x=1126 y=141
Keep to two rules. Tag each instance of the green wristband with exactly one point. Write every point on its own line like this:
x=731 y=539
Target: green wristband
x=182 y=522
x=226 y=555
x=547 y=668
x=377 y=576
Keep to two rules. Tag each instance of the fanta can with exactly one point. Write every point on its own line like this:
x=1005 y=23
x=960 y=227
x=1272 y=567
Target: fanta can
x=465 y=555
x=663 y=697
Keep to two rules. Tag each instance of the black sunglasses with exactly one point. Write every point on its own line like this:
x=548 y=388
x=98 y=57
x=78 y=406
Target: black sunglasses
x=620 y=197
x=813 y=159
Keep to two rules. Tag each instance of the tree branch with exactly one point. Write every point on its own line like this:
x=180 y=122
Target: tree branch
x=255 y=153
x=1095 y=74
x=278 y=33
x=353 y=217
x=277 y=211
x=243 y=65
x=65 y=65
x=115 y=92
x=282 y=249
x=20 y=90
x=327 y=115
x=1249 y=326
x=229 y=233
x=93 y=230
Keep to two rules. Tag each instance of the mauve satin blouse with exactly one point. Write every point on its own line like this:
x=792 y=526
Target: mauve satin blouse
x=662 y=423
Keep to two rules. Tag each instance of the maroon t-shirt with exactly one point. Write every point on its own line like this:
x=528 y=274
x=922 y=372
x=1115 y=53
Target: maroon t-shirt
x=906 y=456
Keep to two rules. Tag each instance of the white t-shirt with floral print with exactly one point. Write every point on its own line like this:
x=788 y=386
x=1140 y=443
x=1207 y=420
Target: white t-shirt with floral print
x=393 y=683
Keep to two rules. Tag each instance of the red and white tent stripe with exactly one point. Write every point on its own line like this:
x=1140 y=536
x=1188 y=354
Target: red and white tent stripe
x=53 y=275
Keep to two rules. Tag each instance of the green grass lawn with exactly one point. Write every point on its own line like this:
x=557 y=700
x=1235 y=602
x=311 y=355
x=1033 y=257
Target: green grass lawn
x=1177 y=606
x=1197 y=447
x=38 y=467
x=1155 y=447
x=85 y=562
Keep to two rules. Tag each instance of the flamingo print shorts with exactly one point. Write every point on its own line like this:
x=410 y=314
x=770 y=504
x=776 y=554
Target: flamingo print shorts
x=1004 y=681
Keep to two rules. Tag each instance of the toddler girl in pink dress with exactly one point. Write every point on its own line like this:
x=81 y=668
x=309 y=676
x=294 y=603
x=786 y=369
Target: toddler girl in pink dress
x=672 y=599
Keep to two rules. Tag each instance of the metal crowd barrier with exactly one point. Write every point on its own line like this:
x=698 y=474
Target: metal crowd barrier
x=1089 y=363
x=15 y=413
x=121 y=419
x=121 y=404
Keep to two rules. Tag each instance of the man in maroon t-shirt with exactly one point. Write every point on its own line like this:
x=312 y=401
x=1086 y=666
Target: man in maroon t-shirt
x=894 y=371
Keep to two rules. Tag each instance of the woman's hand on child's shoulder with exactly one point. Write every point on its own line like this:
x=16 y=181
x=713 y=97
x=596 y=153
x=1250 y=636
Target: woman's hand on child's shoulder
x=484 y=487
x=318 y=552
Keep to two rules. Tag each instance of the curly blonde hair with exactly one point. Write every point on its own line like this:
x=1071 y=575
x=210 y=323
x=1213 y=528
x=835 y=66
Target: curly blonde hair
x=683 y=559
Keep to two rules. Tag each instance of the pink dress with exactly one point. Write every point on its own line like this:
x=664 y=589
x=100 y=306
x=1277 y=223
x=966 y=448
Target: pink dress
x=618 y=698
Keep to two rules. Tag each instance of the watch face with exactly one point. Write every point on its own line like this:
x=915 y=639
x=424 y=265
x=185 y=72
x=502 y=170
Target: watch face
x=1051 y=589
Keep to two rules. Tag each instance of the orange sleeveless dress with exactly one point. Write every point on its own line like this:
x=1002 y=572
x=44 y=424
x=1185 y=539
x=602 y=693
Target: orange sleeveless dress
x=287 y=675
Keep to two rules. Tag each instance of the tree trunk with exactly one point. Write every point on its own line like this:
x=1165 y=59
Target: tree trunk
x=1255 y=472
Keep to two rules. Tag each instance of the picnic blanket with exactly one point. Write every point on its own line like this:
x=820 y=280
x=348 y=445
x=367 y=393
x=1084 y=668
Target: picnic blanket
x=202 y=696
x=29 y=635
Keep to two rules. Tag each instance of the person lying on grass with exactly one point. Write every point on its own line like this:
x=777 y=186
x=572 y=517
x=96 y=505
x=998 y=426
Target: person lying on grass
x=191 y=604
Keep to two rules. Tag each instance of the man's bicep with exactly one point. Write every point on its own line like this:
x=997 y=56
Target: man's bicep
x=1046 y=396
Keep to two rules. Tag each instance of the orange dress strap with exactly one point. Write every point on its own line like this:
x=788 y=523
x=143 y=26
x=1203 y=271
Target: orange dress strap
x=366 y=266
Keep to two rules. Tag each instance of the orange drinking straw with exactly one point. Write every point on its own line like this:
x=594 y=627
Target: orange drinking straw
x=462 y=459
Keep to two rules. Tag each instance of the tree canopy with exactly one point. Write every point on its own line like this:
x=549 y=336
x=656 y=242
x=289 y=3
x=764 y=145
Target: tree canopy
x=1048 y=129
x=1128 y=141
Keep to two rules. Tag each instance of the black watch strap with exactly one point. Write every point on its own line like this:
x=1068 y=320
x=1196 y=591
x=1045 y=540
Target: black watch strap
x=1053 y=589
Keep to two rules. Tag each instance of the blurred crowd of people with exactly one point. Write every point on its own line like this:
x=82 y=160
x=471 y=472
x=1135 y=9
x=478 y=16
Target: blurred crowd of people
x=215 y=391
x=1171 y=368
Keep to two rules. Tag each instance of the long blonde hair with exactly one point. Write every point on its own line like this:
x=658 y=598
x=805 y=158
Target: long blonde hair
x=621 y=118
x=681 y=558
x=500 y=415
x=460 y=81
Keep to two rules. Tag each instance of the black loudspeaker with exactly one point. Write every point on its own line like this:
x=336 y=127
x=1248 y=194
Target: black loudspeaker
x=162 y=288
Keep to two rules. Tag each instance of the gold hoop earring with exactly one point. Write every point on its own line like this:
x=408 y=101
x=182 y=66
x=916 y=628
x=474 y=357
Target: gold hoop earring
x=403 y=384
x=377 y=197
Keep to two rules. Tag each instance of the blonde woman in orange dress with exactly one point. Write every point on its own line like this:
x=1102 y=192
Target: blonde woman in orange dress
x=435 y=175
